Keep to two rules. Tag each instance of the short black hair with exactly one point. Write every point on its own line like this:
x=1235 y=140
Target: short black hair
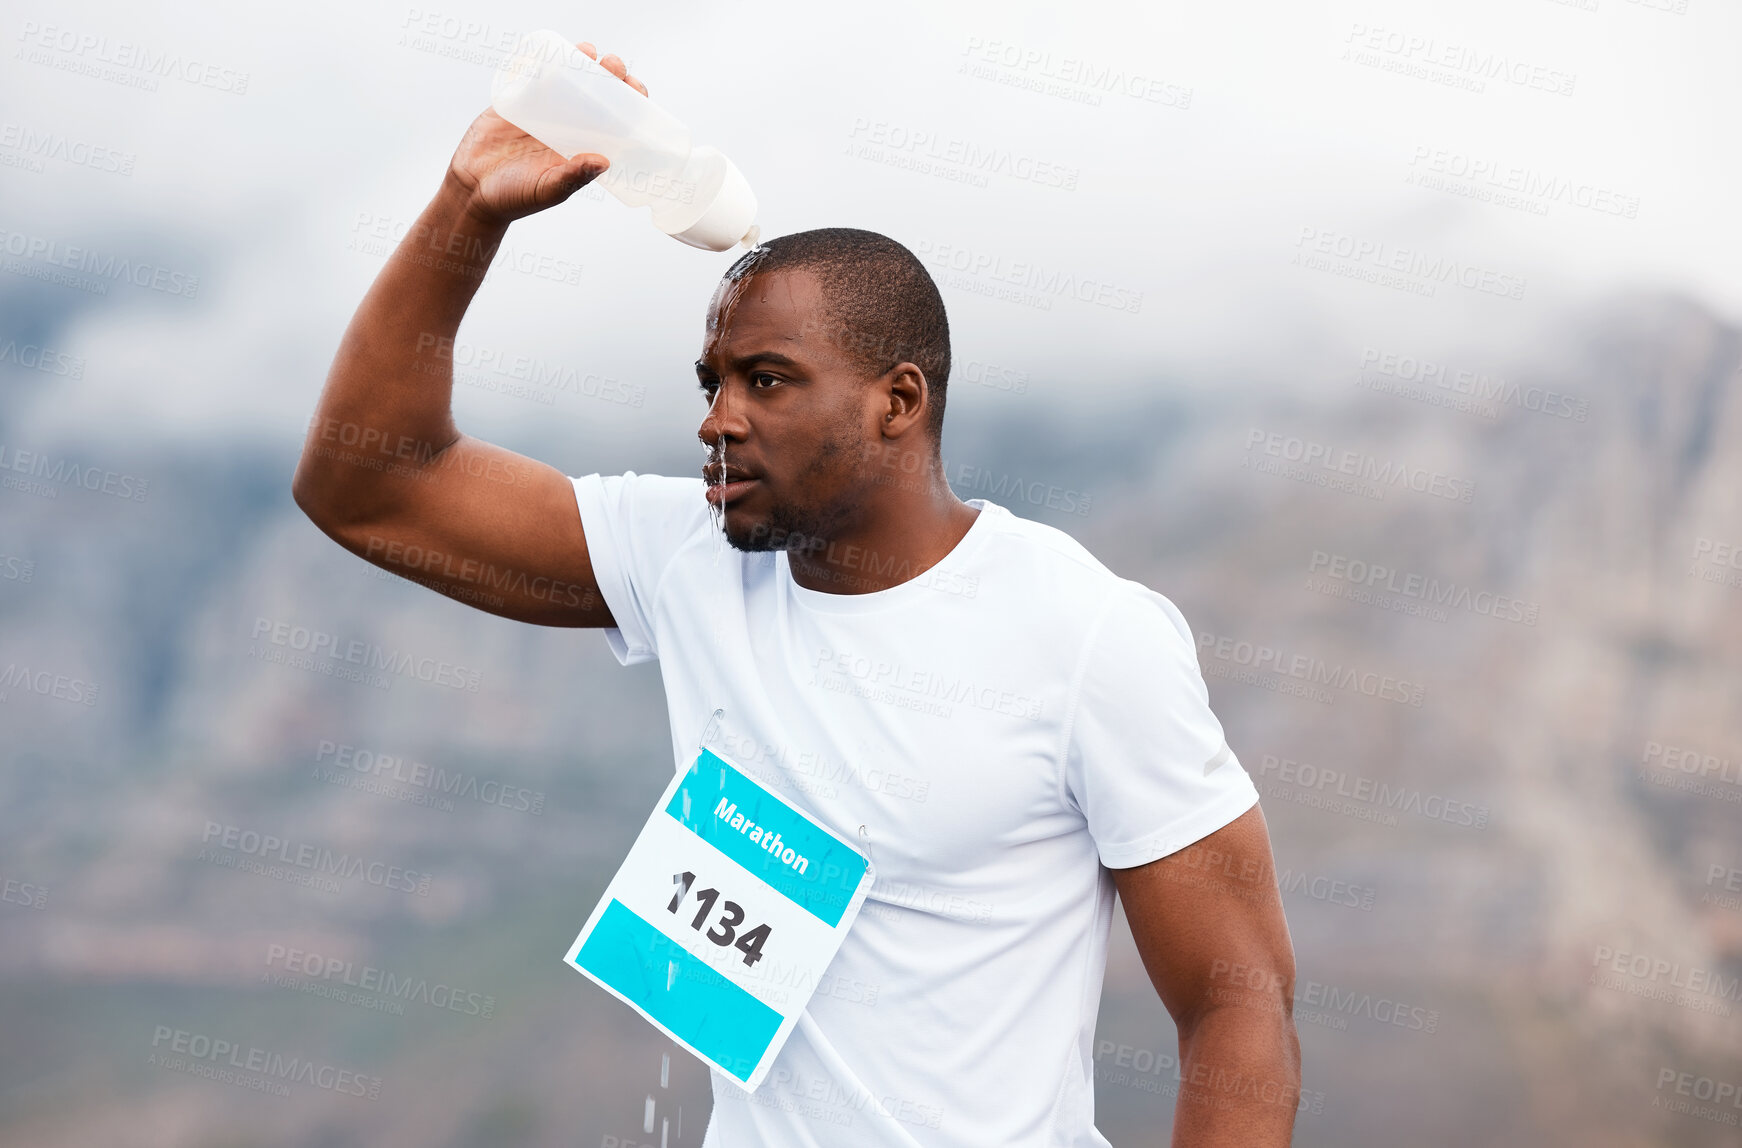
x=883 y=307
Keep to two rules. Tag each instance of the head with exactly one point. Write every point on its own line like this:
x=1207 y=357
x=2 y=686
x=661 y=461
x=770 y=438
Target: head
x=824 y=362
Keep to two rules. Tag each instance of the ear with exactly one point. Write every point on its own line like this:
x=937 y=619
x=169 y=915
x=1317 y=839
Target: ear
x=908 y=394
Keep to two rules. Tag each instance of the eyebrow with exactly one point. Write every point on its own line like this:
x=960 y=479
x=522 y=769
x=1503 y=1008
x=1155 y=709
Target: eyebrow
x=745 y=362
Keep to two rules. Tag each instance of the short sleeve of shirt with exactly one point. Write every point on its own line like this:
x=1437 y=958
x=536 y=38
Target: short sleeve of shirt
x=1147 y=763
x=635 y=525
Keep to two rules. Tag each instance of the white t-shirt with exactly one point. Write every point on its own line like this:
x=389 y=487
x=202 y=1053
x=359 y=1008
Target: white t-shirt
x=1002 y=727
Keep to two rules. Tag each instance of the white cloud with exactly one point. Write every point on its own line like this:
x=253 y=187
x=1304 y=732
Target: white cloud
x=1198 y=209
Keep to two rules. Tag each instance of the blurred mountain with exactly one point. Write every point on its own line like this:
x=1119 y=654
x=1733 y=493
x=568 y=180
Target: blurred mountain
x=1586 y=513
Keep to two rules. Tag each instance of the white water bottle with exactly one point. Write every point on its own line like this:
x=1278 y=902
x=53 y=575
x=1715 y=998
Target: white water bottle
x=566 y=100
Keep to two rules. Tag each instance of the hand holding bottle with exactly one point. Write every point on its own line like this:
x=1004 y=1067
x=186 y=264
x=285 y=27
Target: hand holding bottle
x=574 y=105
x=506 y=174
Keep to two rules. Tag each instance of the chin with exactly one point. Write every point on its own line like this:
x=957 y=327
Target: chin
x=750 y=541
x=751 y=536
x=773 y=531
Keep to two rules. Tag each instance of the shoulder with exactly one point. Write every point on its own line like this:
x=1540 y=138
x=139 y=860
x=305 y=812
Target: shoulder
x=641 y=519
x=1045 y=549
x=1077 y=585
x=672 y=490
x=672 y=504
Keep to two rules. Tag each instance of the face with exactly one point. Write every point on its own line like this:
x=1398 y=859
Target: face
x=795 y=419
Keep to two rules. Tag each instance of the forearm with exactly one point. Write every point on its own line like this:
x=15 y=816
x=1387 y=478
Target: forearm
x=1239 y=1080
x=387 y=403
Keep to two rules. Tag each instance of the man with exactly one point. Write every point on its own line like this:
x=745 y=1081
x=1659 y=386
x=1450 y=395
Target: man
x=1011 y=731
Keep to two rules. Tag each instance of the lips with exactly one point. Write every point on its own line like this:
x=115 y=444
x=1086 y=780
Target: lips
x=731 y=491
x=718 y=468
x=713 y=474
x=739 y=479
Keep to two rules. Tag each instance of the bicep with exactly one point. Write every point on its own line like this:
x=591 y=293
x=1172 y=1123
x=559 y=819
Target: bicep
x=490 y=528
x=1208 y=922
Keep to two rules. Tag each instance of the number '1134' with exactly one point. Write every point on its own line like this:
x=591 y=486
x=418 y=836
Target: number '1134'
x=724 y=931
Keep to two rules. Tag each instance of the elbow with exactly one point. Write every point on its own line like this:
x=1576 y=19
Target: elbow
x=316 y=495
x=303 y=492
x=299 y=492
x=339 y=510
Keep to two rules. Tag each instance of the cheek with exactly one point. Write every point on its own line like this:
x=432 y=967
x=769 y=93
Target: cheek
x=818 y=467
x=824 y=451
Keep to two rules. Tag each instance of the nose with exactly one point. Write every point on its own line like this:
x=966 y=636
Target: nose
x=725 y=417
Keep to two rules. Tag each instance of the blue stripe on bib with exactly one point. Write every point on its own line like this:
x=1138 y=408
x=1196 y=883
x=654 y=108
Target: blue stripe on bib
x=760 y=832
x=696 y=1004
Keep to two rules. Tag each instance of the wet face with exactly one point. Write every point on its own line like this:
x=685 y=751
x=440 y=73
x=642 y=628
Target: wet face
x=792 y=416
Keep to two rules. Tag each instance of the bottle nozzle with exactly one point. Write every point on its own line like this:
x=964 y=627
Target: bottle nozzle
x=723 y=212
x=751 y=236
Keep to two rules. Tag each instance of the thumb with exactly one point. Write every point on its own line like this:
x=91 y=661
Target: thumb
x=576 y=174
x=586 y=166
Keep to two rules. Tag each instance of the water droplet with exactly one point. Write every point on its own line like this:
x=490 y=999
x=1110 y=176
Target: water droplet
x=717 y=510
x=722 y=552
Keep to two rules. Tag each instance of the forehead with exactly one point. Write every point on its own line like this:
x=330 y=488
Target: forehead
x=784 y=307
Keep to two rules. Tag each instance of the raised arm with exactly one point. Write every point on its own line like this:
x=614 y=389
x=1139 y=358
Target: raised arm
x=384 y=470
x=1208 y=923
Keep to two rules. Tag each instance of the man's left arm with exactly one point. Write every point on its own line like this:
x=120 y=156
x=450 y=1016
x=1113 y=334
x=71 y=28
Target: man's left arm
x=1209 y=925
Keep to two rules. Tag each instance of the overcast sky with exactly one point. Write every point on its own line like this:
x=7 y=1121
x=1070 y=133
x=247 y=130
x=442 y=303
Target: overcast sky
x=1180 y=157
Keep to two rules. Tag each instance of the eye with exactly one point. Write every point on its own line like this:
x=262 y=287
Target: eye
x=764 y=375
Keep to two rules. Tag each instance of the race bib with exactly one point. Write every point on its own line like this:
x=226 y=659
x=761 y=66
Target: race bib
x=724 y=916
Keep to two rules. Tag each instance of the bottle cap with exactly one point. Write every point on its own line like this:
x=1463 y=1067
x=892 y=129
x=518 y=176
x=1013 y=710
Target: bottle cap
x=728 y=214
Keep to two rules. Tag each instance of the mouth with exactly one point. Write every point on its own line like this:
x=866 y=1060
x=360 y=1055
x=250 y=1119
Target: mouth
x=725 y=479
x=722 y=493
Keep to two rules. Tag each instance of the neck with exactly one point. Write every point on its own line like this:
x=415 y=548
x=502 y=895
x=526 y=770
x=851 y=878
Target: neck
x=898 y=540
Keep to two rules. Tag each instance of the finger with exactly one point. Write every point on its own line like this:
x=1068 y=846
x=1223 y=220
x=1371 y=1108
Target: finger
x=636 y=84
x=558 y=183
x=615 y=65
x=586 y=163
x=588 y=49
x=581 y=171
